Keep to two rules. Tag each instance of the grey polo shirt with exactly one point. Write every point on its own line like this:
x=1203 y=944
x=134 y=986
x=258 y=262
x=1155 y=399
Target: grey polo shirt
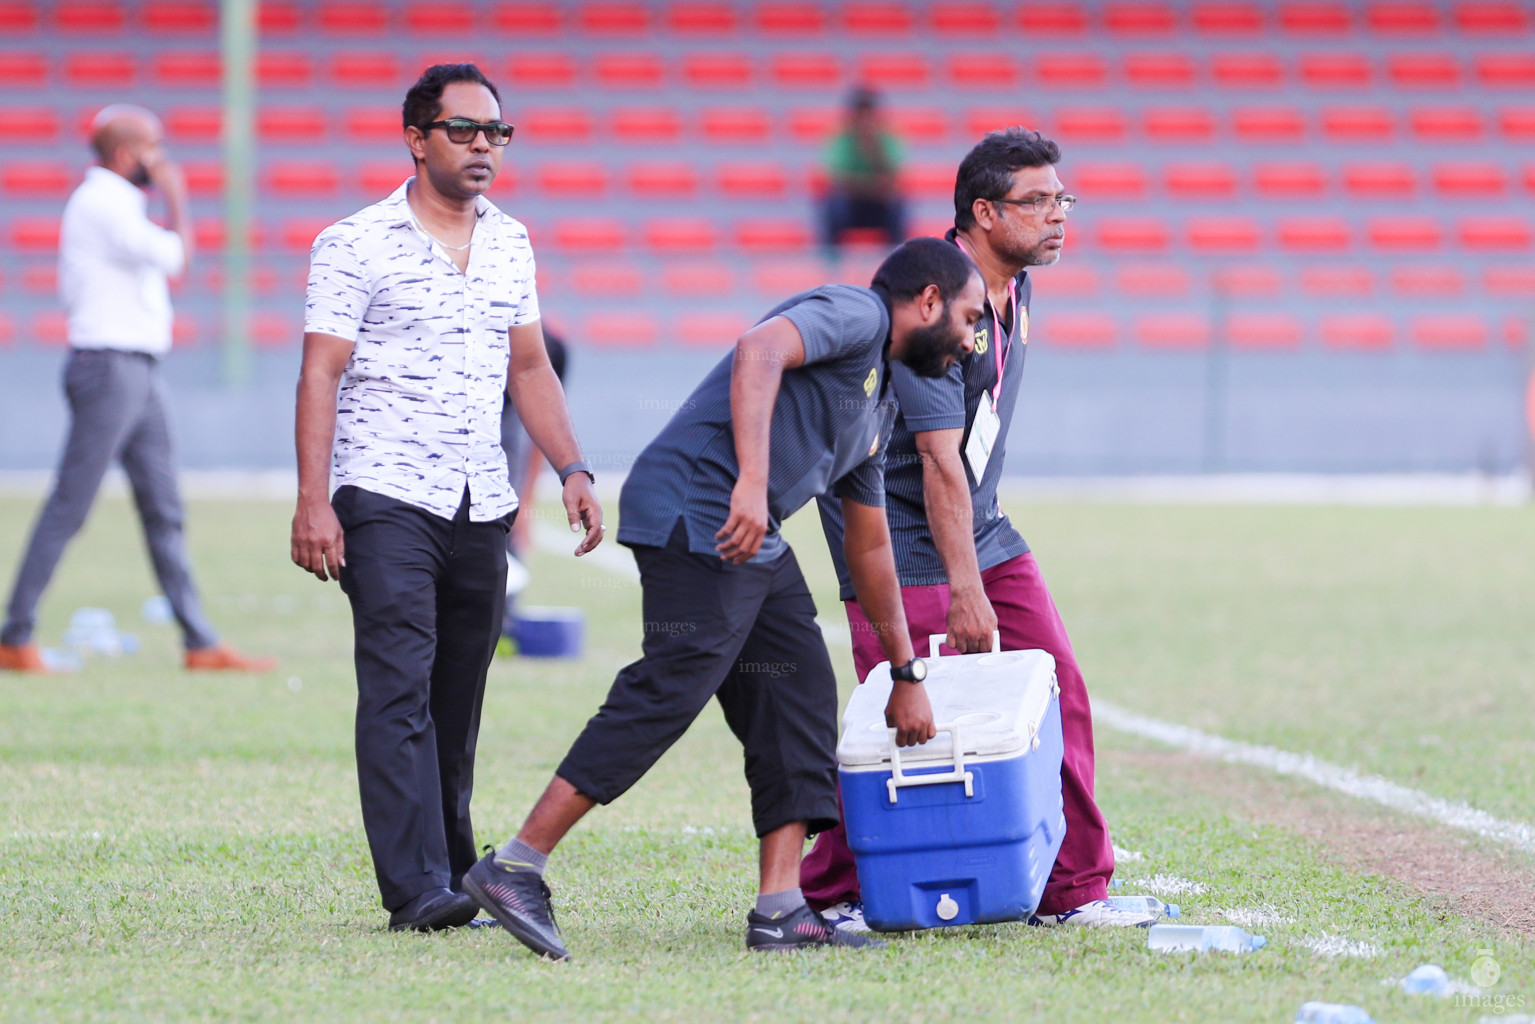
x=947 y=403
x=829 y=420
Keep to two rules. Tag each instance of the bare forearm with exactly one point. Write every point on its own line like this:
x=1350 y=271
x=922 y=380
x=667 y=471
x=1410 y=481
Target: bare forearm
x=879 y=595
x=950 y=518
x=314 y=434
x=754 y=382
x=540 y=402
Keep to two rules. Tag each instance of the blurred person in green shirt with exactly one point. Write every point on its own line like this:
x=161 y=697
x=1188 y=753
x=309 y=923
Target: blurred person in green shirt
x=863 y=161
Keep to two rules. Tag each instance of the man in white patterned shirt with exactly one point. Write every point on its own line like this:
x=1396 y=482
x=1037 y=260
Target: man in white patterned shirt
x=422 y=309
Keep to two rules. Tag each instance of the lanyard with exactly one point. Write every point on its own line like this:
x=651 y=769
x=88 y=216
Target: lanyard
x=998 y=340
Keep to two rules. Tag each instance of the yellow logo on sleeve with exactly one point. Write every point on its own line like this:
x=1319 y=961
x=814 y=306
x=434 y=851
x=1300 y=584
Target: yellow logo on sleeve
x=982 y=339
x=870 y=381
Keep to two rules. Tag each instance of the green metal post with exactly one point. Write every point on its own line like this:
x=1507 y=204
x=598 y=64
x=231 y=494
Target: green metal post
x=238 y=42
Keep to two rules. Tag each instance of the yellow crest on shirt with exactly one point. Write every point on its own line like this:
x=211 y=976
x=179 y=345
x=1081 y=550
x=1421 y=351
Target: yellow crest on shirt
x=1023 y=324
x=982 y=339
x=870 y=381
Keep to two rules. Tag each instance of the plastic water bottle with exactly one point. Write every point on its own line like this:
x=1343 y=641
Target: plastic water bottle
x=1428 y=980
x=1203 y=938
x=157 y=610
x=56 y=660
x=92 y=631
x=1332 y=1013
x=1143 y=905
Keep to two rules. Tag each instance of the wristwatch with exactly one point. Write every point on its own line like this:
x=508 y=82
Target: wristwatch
x=579 y=466
x=914 y=671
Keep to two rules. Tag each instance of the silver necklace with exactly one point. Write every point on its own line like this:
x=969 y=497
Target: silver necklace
x=422 y=228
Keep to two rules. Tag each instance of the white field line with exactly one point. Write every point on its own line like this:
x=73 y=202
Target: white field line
x=1454 y=813
x=1263 y=916
x=1168 y=885
x=1337 y=945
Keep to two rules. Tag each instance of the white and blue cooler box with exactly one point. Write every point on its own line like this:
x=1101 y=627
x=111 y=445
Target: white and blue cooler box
x=963 y=829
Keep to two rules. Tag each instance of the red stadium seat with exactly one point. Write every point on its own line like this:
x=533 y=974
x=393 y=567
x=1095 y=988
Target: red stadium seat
x=692 y=279
x=629 y=70
x=1470 y=179
x=1446 y=123
x=1075 y=280
x=302 y=178
x=1304 y=17
x=1247 y=70
x=1159 y=70
x=298 y=233
x=1497 y=234
x=934 y=180
x=381 y=177
x=187 y=68
x=1517 y=281
x=204 y=177
x=791 y=18
x=861 y=17
x=1224 y=234
x=778 y=235
x=1529 y=178
x=1423 y=70
x=1336 y=70
x=1177 y=331
x=23 y=70
x=1380 y=180
x=778 y=277
x=755 y=180
x=1082 y=330
x=1090 y=124
x=1228 y=17
x=1368 y=332
x=36 y=178
x=556 y=124
x=1139 y=18
x=352 y=17
x=1357 y=124
x=629 y=329
x=364 y=69
x=983 y=70
x=374 y=124
x=98 y=69
x=18 y=16
x=1345 y=280
x=717 y=70
x=286 y=69
x=194 y=124
x=1314 y=234
x=291 y=124
x=1419 y=280
x=1053 y=19
x=920 y=124
x=525 y=18
x=1132 y=234
x=1492 y=16
x=1268 y=124
x=35 y=234
x=277 y=17
x=50 y=329
x=589 y=234
x=606 y=279
x=1180 y=124
x=806 y=70
x=711 y=330
x=964 y=17
x=647 y=124
x=894 y=71
x=1405 y=233
x=614 y=17
x=1102 y=180
x=576 y=179
x=1248 y=280
x=735 y=124
x=1290 y=179
x=661 y=180
x=7 y=331
x=543 y=70
x=428 y=17
x=1157 y=280
x=1071 y=70
x=89 y=16
x=680 y=234
x=1506 y=70
x=701 y=18
x=1262 y=331
x=179 y=16
x=1403 y=17
x=1201 y=181
x=1517 y=122
x=1449 y=331
x=980 y=120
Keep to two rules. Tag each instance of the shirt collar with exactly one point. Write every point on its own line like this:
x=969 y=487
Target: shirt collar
x=101 y=177
x=397 y=208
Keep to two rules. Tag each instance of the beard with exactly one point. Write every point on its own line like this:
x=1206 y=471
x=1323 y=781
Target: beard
x=1036 y=255
x=931 y=350
x=140 y=175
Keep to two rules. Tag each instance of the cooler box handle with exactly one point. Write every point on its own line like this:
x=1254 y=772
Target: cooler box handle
x=935 y=640
x=958 y=774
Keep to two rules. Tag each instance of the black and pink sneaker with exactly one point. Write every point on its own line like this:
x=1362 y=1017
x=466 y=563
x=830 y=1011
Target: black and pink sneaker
x=520 y=901
x=800 y=929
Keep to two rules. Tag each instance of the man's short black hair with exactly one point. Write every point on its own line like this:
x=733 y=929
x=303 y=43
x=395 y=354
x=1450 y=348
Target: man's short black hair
x=423 y=103
x=987 y=170
x=920 y=262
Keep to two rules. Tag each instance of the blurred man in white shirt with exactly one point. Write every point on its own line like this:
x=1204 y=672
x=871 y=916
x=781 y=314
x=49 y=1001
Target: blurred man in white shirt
x=114 y=270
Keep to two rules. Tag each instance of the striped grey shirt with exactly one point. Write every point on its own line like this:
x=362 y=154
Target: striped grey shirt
x=418 y=415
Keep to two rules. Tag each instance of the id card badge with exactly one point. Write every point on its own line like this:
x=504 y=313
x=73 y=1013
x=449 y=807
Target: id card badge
x=983 y=435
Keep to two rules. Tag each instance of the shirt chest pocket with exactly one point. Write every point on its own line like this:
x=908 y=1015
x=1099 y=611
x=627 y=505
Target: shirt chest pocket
x=498 y=315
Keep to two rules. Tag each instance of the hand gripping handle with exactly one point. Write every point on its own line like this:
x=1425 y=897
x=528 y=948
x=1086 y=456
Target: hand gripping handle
x=935 y=640
x=898 y=780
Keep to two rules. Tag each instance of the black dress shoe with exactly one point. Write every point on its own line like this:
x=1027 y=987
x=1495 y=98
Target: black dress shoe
x=434 y=910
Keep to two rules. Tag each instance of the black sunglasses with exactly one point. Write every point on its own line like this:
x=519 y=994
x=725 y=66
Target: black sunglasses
x=463 y=130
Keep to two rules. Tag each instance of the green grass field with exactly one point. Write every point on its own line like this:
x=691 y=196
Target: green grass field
x=179 y=847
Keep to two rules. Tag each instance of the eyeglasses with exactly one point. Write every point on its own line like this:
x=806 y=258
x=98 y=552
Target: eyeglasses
x=1039 y=203
x=462 y=130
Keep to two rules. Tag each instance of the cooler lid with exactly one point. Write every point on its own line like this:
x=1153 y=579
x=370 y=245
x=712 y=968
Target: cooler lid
x=997 y=699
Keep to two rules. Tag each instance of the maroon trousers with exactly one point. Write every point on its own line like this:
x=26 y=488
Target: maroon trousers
x=1027 y=618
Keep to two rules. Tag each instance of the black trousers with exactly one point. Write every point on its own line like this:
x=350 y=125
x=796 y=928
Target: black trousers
x=746 y=635
x=426 y=597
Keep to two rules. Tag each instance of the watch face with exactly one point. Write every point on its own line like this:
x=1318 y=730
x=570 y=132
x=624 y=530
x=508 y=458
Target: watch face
x=918 y=669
